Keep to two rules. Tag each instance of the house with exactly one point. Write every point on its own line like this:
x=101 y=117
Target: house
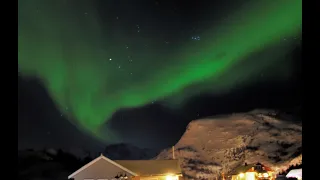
x=295 y=173
x=103 y=168
x=253 y=172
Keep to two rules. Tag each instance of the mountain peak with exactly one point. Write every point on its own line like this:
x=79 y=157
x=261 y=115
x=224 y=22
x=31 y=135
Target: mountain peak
x=211 y=145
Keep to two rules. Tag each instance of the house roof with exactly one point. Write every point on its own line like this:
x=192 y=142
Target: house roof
x=151 y=167
x=247 y=168
x=242 y=169
x=267 y=168
x=101 y=157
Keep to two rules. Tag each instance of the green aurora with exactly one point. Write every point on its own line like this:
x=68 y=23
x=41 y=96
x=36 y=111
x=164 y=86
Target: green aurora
x=68 y=55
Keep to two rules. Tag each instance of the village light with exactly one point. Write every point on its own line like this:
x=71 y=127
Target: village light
x=121 y=176
x=241 y=175
x=171 y=177
x=265 y=175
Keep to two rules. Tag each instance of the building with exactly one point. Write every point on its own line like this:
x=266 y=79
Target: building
x=253 y=172
x=103 y=168
x=295 y=173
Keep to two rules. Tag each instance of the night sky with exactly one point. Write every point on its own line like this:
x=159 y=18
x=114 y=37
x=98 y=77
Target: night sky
x=95 y=72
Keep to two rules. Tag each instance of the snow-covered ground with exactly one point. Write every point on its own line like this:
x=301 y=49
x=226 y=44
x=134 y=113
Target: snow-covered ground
x=214 y=145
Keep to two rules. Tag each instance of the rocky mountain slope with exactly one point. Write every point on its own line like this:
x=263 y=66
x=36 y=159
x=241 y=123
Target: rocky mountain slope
x=214 y=145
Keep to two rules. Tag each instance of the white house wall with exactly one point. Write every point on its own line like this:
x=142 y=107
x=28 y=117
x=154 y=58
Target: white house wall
x=100 y=170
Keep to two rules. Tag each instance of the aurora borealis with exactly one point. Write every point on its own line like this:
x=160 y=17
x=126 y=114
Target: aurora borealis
x=71 y=50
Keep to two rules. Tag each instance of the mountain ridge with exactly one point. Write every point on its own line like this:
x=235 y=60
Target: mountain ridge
x=219 y=144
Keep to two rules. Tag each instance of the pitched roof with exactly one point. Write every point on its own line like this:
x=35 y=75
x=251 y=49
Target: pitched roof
x=242 y=169
x=101 y=157
x=151 y=167
x=247 y=168
x=267 y=168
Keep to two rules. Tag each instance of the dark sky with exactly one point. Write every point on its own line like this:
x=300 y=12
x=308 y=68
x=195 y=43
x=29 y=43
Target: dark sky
x=166 y=26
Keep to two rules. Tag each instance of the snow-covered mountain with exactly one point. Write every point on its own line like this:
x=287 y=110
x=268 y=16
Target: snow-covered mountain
x=214 y=145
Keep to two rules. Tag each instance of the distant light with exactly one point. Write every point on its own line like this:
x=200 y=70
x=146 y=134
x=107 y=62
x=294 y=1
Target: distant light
x=265 y=175
x=171 y=177
x=241 y=175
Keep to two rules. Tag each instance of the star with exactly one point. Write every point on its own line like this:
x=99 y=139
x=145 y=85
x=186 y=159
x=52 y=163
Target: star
x=197 y=38
x=119 y=66
x=110 y=59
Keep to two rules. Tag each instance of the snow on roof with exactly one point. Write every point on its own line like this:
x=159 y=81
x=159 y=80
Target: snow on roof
x=297 y=173
x=248 y=168
x=97 y=159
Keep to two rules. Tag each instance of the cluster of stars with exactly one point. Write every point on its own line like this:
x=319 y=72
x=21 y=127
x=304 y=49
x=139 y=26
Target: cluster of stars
x=66 y=108
x=197 y=38
x=119 y=66
x=288 y=39
x=126 y=46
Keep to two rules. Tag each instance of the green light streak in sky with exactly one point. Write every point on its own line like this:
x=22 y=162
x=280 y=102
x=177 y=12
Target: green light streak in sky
x=69 y=55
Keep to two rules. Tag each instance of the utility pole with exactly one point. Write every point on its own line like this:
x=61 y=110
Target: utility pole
x=173 y=157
